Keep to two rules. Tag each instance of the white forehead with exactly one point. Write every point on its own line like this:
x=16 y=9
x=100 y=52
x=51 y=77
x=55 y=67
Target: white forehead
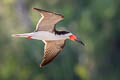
x=67 y=34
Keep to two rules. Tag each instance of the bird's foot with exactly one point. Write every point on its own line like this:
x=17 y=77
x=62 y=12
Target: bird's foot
x=29 y=37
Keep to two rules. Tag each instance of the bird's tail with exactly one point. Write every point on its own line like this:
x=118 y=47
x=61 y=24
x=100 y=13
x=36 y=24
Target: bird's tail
x=22 y=35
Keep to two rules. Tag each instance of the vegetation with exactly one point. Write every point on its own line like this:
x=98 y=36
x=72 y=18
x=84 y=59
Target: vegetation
x=96 y=22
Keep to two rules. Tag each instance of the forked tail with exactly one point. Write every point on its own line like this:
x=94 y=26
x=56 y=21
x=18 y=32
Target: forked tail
x=21 y=35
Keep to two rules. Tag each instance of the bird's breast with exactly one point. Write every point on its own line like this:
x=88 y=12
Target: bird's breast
x=45 y=35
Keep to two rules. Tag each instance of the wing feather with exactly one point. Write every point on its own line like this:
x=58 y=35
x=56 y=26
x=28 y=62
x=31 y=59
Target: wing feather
x=48 y=20
x=52 y=49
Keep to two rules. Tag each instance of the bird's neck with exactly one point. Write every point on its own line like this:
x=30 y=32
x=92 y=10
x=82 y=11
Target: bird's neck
x=61 y=32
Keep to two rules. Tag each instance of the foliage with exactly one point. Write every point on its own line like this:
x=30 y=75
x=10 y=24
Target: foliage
x=96 y=22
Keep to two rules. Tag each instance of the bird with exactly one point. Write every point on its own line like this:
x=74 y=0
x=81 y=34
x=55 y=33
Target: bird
x=46 y=31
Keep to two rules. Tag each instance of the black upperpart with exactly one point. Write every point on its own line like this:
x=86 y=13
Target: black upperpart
x=61 y=32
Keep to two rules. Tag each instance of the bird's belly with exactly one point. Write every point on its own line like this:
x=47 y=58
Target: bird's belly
x=45 y=35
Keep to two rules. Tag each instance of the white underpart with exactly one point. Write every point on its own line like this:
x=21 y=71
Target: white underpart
x=44 y=35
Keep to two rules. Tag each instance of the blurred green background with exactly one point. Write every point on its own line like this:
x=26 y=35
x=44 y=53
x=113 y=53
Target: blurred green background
x=95 y=22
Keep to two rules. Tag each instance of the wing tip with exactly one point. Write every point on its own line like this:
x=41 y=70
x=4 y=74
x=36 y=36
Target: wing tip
x=36 y=9
x=41 y=65
x=39 y=10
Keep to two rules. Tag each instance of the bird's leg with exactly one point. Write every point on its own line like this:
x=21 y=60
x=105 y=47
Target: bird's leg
x=29 y=37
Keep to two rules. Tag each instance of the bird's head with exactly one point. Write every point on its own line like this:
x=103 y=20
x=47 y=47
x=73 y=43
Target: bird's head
x=74 y=38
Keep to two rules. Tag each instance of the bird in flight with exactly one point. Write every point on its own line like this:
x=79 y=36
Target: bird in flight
x=45 y=30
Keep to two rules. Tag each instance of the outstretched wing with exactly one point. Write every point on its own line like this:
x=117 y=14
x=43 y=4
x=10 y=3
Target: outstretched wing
x=48 y=20
x=51 y=50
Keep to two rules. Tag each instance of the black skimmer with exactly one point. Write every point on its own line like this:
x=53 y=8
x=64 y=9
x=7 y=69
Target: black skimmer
x=45 y=30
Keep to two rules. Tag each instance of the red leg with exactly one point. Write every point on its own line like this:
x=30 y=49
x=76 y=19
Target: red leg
x=29 y=37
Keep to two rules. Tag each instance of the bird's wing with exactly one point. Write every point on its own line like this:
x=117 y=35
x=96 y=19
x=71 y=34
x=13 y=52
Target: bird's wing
x=51 y=50
x=48 y=20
